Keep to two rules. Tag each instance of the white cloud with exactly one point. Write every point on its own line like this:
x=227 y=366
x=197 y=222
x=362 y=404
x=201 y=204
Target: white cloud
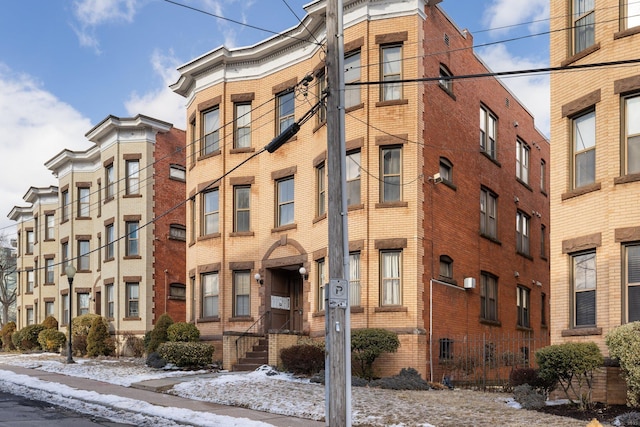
x=92 y=13
x=532 y=91
x=504 y=14
x=35 y=127
x=161 y=103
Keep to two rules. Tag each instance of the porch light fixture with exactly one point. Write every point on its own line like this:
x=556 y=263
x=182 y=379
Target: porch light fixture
x=303 y=273
x=258 y=279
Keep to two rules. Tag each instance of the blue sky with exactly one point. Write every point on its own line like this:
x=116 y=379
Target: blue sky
x=66 y=65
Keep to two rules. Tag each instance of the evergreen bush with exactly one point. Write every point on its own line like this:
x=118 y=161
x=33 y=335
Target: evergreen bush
x=624 y=344
x=159 y=333
x=183 y=332
x=187 y=354
x=368 y=344
x=50 y=323
x=27 y=338
x=571 y=365
x=99 y=342
x=303 y=359
x=51 y=340
x=7 y=330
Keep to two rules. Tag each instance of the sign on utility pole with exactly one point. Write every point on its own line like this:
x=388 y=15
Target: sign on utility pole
x=337 y=317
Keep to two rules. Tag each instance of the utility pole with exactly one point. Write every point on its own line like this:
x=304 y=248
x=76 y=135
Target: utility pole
x=337 y=315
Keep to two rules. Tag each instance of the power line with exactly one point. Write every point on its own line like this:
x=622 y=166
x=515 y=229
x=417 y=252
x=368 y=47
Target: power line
x=238 y=22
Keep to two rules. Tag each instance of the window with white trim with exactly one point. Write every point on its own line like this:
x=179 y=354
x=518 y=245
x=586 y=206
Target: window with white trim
x=584 y=149
x=210 y=291
x=391 y=277
x=584 y=288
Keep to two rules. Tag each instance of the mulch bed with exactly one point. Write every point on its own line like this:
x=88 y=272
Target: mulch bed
x=601 y=412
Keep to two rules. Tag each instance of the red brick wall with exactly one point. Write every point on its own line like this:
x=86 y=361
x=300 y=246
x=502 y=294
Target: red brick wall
x=452 y=216
x=170 y=254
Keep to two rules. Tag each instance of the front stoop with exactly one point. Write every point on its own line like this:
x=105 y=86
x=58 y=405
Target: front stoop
x=254 y=359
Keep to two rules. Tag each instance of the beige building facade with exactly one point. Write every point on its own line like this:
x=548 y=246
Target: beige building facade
x=103 y=218
x=595 y=178
x=257 y=221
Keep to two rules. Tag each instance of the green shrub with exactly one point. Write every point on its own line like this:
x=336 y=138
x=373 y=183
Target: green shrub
x=27 y=338
x=50 y=323
x=80 y=330
x=368 y=344
x=159 y=333
x=624 y=345
x=7 y=330
x=99 y=342
x=571 y=365
x=303 y=359
x=187 y=354
x=183 y=332
x=51 y=340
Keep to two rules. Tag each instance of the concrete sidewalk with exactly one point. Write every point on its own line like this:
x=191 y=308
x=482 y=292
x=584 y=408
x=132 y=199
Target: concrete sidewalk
x=151 y=391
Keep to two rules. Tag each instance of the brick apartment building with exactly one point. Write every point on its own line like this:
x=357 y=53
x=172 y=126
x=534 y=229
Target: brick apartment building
x=113 y=216
x=595 y=177
x=415 y=237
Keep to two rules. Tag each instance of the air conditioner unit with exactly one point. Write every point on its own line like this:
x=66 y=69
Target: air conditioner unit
x=437 y=178
x=469 y=282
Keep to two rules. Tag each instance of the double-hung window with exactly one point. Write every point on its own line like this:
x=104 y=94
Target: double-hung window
x=133 y=298
x=353 y=178
x=446 y=170
x=109 y=248
x=522 y=302
x=488 y=130
x=320 y=92
x=391 y=277
x=49 y=275
x=30 y=241
x=543 y=176
x=584 y=288
x=352 y=75
x=242 y=208
x=83 y=303
x=522 y=161
x=391 y=70
x=584 y=149
x=584 y=24
x=285 y=201
x=321 y=185
x=322 y=283
x=488 y=213
x=64 y=205
x=446 y=267
x=285 y=110
x=354 y=279
x=109 y=296
x=632 y=270
x=211 y=212
x=241 y=293
x=110 y=182
x=83 y=255
x=133 y=176
x=488 y=297
x=211 y=131
x=64 y=255
x=522 y=233
x=391 y=168
x=31 y=280
x=65 y=309
x=133 y=238
x=632 y=132
x=242 y=125
x=50 y=224
x=83 y=202
x=209 y=283
x=631 y=14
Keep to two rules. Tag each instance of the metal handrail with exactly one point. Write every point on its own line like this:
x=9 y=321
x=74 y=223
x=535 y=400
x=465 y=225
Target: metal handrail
x=256 y=328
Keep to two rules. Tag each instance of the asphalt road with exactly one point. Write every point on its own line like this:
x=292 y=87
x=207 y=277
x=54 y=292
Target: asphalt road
x=18 y=411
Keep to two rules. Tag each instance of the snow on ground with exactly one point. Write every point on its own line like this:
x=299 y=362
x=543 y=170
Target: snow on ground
x=268 y=391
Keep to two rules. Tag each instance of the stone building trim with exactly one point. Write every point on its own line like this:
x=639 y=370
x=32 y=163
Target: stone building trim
x=583 y=103
x=582 y=243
